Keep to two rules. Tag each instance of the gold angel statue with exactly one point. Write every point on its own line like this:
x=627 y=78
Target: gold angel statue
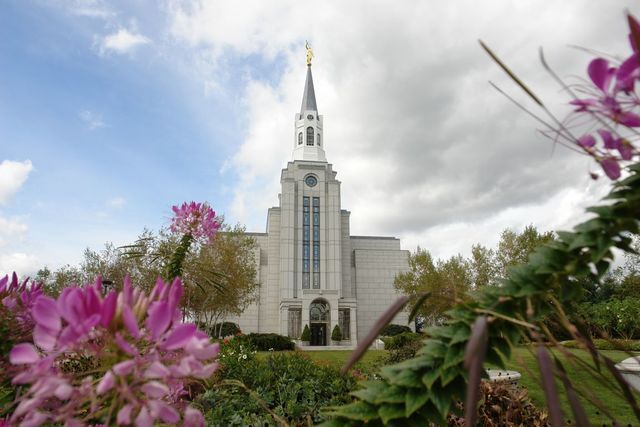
x=309 y=52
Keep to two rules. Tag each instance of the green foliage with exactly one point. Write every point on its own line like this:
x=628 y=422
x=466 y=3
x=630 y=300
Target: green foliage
x=609 y=344
x=393 y=329
x=617 y=318
x=447 y=281
x=399 y=350
x=399 y=341
x=306 y=334
x=269 y=342
x=287 y=385
x=423 y=390
x=336 y=334
x=221 y=330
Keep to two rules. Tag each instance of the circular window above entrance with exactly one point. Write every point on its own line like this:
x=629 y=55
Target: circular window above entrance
x=311 y=181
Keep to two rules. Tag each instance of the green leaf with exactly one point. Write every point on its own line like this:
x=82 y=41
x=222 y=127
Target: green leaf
x=391 y=394
x=448 y=375
x=602 y=211
x=584 y=240
x=430 y=377
x=388 y=412
x=360 y=411
x=442 y=402
x=414 y=400
x=454 y=356
x=370 y=391
x=462 y=334
x=407 y=378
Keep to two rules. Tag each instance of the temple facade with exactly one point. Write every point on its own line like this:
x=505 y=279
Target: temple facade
x=312 y=271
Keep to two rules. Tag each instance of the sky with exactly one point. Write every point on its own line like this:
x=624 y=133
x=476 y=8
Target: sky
x=113 y=111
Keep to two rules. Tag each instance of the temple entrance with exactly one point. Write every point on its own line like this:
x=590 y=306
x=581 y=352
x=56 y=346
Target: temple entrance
x=318 y=334
x=319 y=322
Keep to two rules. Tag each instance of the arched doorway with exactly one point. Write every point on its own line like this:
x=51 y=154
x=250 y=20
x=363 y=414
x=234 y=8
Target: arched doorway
x=319 y=321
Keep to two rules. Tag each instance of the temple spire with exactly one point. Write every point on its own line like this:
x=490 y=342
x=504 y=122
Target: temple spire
x=309 y=95
x=308 y=142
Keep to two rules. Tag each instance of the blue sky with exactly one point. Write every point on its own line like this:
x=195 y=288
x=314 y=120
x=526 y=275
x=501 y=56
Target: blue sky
x=112 y=111
x=115 y=137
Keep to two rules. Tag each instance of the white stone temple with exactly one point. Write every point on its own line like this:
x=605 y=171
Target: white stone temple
x=312 y=271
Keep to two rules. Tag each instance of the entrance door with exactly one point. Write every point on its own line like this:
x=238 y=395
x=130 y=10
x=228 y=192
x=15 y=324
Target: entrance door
x=318 y=334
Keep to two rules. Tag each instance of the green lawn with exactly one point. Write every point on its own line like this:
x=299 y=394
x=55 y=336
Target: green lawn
x=524 y=362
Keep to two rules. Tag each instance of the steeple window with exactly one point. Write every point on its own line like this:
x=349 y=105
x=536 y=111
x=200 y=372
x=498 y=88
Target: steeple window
x=300 y=138
x=319 y=140
x=310 y=135
x=316 y=243
x=305 y=243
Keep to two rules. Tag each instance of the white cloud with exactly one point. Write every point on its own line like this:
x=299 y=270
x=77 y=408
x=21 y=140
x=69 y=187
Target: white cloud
x=92 y=120
x=12 y=175
x=23 y=264
x=122 y=41
x=10 y=228
x=90 y=8
x=425 y=148
x=117 y=202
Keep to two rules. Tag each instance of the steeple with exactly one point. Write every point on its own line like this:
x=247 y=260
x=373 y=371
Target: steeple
x=308 y=140
x=309 y=95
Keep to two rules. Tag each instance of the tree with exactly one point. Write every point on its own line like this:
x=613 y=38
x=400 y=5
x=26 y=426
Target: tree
x=483 y=265
x=514 y=248
x=447 y=281
x=222 y=276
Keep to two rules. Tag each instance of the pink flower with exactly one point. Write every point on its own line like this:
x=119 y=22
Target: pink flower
x=147 y=369
x=195 y=219
x=24 y=353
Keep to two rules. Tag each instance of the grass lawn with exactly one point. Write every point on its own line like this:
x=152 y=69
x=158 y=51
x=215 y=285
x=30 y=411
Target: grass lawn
x=524 y=362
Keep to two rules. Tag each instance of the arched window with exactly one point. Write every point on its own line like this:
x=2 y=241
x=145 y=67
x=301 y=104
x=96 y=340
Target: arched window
x=300 y=138
x=309 y=135
x=319 y=140
x=319 y=311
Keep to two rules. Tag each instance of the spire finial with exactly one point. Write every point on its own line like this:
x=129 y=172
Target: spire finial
x=309 y=52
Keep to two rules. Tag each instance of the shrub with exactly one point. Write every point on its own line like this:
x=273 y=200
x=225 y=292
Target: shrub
x=336 y=334
x=291 y=385
x=267 y=342
x=393 y=329
x=306 y=334
x=225 y=329
x=612 y=344
x=399 y=341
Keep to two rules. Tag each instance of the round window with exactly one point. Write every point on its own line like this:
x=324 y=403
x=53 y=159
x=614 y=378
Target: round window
x=311 y=181
x=310 y=117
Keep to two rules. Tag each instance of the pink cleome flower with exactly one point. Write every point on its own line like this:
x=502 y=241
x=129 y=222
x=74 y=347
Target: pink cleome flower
x=145 y=351
x=613 y=102
x=195 y=219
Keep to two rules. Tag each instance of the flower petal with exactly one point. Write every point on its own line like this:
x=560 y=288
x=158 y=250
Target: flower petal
x=586 y=141
x=44 y=337
x=45 y=312
x=106 y=383
x=159 y=319
x=108 y=308
x=125 y=346
x=130 y=321
x=124 y=368
x=611 y=167
x=144 y=419
x=628 y=119
x=179 y=336
x=24 y=353
x=124 y=415
x=157 y=370
x=155 y=389
x=193 y=418
x=609 y=141
x=600 y=73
